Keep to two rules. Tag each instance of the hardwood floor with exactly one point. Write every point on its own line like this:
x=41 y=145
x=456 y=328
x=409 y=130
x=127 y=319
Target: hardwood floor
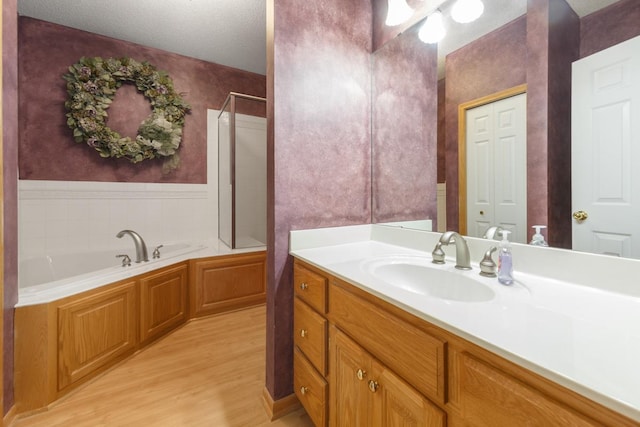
x=208 y=373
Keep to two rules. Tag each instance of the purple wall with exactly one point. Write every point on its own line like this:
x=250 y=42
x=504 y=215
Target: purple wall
x=10 y=186
x=488 y=65
x=609 y=26
x=47 y=149
x=320 y=148
x=404 y=132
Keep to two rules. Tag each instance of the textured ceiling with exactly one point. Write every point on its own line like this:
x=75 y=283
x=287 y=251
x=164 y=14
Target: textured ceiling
x=228 y=32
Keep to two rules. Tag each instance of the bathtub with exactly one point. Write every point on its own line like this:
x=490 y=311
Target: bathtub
x=47 y=278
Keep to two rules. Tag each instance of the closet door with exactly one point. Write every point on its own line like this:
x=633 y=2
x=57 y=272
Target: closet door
x=497 y=167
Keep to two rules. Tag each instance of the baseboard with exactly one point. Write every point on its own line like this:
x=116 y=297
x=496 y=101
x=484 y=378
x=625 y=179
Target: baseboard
x=10 y=416
x=281 y=407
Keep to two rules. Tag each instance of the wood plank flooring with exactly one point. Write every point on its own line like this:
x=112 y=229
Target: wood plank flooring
x=208 y=373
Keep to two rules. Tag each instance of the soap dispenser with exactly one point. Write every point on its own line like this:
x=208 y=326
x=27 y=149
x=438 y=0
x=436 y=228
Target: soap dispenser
x=505 y=260
x=538 y=238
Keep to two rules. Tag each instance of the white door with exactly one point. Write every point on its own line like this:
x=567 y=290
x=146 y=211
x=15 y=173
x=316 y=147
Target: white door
x=606 y=151
x=497 y=167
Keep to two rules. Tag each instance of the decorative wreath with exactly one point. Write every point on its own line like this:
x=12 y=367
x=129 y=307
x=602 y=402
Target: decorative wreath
x=92 y=84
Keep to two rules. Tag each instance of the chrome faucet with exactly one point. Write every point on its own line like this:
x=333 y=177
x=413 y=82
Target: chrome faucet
x=463 y=261
x=141 y=247
x=493 y=233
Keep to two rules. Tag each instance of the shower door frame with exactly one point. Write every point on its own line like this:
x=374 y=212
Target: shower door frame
x=231 y=101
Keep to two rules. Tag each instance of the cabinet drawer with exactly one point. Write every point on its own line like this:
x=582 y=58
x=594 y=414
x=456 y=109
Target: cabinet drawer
x=310 y=388
x=310 y=286
x=412 y=353
x=310 y=335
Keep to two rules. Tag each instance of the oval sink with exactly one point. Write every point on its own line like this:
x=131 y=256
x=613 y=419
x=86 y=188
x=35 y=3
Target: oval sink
x=421 y=277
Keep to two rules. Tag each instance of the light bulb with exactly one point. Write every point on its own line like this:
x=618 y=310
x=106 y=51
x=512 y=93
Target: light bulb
x=432 y=30
x=465 y=11
x=398 y=12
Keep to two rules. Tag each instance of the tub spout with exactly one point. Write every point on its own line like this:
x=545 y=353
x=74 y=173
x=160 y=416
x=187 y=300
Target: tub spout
x=141 y=247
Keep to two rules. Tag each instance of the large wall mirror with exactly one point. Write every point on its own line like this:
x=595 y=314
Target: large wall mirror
x=488 y=57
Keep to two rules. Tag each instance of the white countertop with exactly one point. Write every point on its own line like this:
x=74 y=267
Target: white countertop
x=584 y=336
x=52 y=291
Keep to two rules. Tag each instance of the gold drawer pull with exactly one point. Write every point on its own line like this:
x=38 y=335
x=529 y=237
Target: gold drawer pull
x=303 y=333
x=303 y=390
x=361 y=374
x=304 y=286
x=373 y=386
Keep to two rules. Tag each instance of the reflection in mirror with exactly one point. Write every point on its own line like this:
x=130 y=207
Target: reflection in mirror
x=509 y=55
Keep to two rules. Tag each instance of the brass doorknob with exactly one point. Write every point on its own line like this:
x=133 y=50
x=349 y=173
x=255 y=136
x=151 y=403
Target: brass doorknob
x=360 y=374
x=580 y=216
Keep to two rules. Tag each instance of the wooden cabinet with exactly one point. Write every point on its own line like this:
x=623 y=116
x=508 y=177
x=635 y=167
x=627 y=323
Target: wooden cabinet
x=163 y=301
x=387 y=367
x=310 y=340
x=228 y=282
x=492 y=398
x=367 y=393
x=95 y=332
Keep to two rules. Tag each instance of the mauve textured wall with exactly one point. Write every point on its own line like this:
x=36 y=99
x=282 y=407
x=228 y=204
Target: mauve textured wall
x=404 y=131
x=10 y=186
x=488 y=65
x=47 y=150
x=320 y=151
x=609 y=26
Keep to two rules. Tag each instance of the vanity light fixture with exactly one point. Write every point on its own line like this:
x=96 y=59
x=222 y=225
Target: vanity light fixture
x=465 y=11
x=398 y=11
x=432 y=31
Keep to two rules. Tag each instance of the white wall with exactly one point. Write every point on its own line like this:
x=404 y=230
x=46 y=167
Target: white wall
x=57 y=217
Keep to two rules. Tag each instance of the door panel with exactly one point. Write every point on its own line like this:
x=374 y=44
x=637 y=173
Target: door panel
x=605 y=146
x=496 y=167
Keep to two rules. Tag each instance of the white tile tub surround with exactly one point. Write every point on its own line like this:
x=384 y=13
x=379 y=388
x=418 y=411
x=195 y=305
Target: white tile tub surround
x=571 y=317
x=58 y=217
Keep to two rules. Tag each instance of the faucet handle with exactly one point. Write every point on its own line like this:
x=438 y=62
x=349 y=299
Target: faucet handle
x=156 y=251
x=487 y=265
x=438 y=254
x=126 y=261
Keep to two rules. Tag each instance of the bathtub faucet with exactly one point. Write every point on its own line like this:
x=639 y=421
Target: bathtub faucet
x=141 y=247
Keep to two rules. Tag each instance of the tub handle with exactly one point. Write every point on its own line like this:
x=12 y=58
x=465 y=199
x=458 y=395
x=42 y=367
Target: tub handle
x=156 y=251
x=126 y=261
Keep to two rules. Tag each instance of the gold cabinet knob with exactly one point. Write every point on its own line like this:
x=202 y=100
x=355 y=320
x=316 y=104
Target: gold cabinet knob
x=303 y=390
x=373 y=386
x=304 y=333
x=304 y=286
x=360 y=374
x=580 y=216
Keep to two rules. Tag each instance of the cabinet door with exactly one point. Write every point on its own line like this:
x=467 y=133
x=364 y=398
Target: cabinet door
x=396 y=403
x=350 y=371
x=226 y=283
x=163 y=301
x=96 y=331
x=492 y=398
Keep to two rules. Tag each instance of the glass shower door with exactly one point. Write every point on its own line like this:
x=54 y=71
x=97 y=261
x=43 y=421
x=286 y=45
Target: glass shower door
x=242 y=172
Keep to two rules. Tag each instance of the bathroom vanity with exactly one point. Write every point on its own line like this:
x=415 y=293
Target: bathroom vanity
x=371 y=353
